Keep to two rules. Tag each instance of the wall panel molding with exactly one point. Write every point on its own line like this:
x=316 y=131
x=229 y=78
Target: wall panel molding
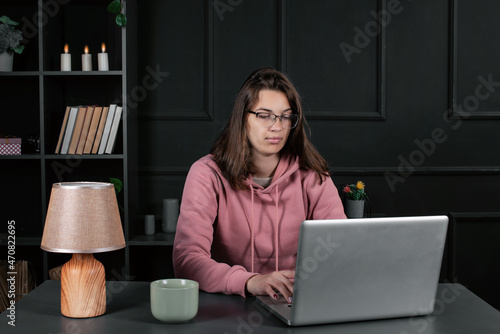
x=446 y=170
x=332 y=112
x=467 y=107
x=207 y=113
x=461 y=170
x=473 y=248
x=162 y=171
x=282 y=42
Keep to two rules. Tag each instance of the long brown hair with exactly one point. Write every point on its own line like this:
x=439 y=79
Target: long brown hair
x=232 y=150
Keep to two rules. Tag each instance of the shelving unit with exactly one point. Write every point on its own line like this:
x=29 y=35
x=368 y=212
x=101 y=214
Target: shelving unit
x=34 y=97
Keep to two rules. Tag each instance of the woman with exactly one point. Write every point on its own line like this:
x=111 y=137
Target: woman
x=243 y=203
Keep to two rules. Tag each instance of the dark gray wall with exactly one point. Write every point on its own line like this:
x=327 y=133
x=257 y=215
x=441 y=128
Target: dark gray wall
x=409 y=102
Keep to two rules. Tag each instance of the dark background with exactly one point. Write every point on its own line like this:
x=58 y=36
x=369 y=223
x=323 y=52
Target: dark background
x=402 y=95
x=408 y=113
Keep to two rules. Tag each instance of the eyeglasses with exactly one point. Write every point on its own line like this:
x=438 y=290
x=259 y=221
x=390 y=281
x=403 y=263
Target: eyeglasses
x=267 y=119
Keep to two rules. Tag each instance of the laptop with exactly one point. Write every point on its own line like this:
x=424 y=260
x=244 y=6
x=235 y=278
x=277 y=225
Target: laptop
x=364 y=269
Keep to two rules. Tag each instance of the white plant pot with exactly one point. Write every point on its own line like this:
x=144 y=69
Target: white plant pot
x=6 y=61
x=354 y=209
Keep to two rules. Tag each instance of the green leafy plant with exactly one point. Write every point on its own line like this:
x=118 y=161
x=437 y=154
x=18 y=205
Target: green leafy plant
x=10 y=37
x=118 y=184
x=355 y=192
x=116 y=8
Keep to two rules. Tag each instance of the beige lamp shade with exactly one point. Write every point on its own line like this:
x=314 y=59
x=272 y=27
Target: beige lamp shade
x=82 y=217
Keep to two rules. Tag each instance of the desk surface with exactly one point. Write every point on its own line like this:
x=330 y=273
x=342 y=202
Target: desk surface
x=457 y=310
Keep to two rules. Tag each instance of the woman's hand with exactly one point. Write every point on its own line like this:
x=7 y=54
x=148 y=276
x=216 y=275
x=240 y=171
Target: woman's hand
x=270 y=283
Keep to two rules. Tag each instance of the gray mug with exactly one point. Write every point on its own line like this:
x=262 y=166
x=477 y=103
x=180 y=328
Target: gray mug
x=174 y=299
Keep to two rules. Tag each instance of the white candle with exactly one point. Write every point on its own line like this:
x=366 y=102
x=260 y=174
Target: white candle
x=102 y=59
x=86 y=60
x=66 y=59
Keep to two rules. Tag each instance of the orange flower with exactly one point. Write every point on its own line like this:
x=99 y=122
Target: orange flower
x=355 y=192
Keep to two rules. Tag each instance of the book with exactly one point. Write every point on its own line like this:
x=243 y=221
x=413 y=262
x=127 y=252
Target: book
x=85 y=129
x=107 y=128
x=114 y=129
x=69 y=130
x=63 y=129
x=92 y=130
x=77 y=131
x=100 y=129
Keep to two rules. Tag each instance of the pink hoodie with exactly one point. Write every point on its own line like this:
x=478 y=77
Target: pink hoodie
x=225 y=236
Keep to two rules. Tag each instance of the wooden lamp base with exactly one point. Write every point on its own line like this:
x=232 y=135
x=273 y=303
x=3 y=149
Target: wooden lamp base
x=83 y=287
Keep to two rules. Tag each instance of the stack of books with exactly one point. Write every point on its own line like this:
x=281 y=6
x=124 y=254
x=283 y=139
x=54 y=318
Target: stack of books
x=89 y=130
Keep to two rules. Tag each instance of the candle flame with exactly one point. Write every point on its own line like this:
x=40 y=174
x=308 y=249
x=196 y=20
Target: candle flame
x=86 y=49
x=66 y=48
x=103 y=47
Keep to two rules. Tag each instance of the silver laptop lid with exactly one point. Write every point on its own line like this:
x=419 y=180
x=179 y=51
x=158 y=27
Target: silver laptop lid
x=370 y=268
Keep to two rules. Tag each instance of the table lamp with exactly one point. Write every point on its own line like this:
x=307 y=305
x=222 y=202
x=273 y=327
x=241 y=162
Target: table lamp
x=82 y=218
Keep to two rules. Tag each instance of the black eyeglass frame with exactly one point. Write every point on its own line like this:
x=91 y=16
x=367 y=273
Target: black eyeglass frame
x=256 y=113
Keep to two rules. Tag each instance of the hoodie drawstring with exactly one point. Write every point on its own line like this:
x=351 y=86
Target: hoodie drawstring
x=276 y=230
x=276 y=227
x=252 y=235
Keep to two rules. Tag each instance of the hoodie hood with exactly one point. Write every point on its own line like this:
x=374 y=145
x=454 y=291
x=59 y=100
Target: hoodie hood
x=286 y=167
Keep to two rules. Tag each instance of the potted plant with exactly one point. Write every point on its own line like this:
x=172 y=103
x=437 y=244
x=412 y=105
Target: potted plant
x=355 y=199
x=10 y=42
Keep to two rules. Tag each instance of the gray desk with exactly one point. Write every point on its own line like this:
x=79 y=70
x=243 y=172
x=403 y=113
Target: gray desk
x=457 y=311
